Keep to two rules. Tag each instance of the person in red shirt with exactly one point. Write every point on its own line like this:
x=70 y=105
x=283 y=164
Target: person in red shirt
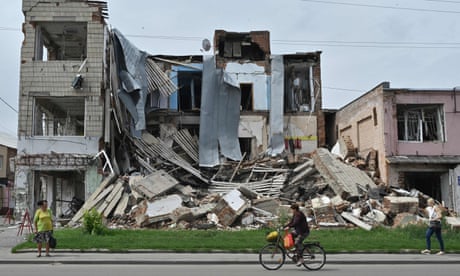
x=300 y=232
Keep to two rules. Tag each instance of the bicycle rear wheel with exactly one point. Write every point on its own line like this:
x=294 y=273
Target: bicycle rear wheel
x=272 y=256
x=314 y=257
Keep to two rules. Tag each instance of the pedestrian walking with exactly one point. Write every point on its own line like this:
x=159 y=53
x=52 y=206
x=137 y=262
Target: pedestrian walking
x=434 y=213
x=43 y=222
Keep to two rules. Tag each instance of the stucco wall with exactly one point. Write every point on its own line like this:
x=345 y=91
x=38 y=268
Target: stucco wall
x=452 y=131
x=255 y=74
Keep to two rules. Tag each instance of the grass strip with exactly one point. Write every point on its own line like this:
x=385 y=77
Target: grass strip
x=379 y=240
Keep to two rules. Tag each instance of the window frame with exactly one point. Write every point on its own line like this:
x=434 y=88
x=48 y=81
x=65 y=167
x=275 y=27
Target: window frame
x=420 y=114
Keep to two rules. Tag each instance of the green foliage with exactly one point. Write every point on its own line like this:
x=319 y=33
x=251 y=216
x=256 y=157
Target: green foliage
x=92 y=223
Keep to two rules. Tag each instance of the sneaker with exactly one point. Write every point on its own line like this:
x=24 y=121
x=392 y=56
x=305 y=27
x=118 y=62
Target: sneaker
x=299 y=262
x=440 y=253
x=426 y=251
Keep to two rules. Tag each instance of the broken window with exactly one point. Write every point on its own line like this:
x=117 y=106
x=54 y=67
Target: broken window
x=246 y=97
x=189 y=83
x=297 y=86
x=239 y=46
x=420 y=123
x=60 y=40
x=59 y=116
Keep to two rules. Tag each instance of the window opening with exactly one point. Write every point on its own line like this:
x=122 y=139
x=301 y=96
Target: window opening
x=246 y=97
x=189 y=83
x=60 y=41
x=420 y=123
x=297 y=87
x=59 y=116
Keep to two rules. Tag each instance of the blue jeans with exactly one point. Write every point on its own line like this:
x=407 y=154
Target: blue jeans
x=429 y=233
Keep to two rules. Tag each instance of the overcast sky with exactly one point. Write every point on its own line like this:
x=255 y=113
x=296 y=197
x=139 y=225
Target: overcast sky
x=411 y=43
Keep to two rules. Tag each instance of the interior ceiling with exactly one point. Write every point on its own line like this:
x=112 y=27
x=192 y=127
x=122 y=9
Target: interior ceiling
x=73 y=106
x=70 y=37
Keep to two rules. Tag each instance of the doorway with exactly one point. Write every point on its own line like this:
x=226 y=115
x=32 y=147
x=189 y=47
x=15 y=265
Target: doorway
x=59 y=188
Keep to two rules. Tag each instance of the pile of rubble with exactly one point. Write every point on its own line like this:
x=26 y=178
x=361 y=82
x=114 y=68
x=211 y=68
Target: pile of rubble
x=166 y=190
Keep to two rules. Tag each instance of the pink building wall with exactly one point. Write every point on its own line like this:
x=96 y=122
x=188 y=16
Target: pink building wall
x=452 y=130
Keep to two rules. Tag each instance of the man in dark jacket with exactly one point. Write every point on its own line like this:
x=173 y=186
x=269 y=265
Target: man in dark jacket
x=300 y=232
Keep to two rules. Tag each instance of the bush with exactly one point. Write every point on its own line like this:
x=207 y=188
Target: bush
x=92 y=223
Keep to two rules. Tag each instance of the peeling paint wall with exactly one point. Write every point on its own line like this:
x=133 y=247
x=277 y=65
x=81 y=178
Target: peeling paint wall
x=251 y=73
x=254 y=127
x=302 y=130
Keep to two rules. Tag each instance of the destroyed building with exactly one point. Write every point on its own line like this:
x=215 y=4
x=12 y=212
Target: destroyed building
x=63 y=88
x=7 y=154
x=86 y=90
x=225 y=138
x=412 y=136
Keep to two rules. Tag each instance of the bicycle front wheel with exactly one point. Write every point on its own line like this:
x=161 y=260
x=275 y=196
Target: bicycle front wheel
x=314 y=257
x=272 y=256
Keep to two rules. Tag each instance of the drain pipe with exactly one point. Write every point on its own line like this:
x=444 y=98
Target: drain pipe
x=455 y=98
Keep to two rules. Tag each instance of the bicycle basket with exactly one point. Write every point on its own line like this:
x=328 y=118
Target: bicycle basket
x=272 y=236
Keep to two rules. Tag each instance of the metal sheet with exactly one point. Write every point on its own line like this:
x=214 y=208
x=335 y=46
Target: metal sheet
x=132 y=73
x=276 y=106
x=229 y=117
x=209 y=152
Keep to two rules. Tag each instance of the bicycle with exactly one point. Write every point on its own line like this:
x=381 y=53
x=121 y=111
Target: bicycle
x=273 y=255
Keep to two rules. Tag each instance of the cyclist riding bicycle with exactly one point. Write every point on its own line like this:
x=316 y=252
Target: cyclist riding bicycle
x=300 y=232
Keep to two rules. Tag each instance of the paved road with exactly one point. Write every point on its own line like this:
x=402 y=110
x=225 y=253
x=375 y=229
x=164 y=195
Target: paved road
x=224 y=270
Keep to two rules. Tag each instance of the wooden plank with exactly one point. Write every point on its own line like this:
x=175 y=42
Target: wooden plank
x=303 y=166
x=115 y=192
x=121 y=207
x=113 y=203
x=104 y=193
x=89 y=203
x=307 y=172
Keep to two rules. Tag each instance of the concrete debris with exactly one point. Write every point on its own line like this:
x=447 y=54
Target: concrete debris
x=404 y=219
x=153 y=184
x=230 y=207
x=166 y=189
x=453 y=222
x=353 y=219
x=400 y=204
x=345 y=180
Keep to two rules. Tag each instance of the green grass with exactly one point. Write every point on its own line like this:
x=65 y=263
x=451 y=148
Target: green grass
x=380 y=240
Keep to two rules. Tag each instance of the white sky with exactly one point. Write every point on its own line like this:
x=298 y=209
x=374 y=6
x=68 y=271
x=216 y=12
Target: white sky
x=411 y=43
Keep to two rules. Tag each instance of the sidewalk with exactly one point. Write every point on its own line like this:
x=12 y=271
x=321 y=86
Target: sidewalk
x=8 y=239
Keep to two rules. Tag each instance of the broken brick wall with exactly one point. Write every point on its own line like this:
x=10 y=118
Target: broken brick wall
x=363 y=121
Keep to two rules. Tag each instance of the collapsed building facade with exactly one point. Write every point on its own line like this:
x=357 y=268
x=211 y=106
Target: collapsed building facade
x=85 y=91
x=413 y=135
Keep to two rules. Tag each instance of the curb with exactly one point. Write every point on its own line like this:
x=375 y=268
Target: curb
x=218 y=262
